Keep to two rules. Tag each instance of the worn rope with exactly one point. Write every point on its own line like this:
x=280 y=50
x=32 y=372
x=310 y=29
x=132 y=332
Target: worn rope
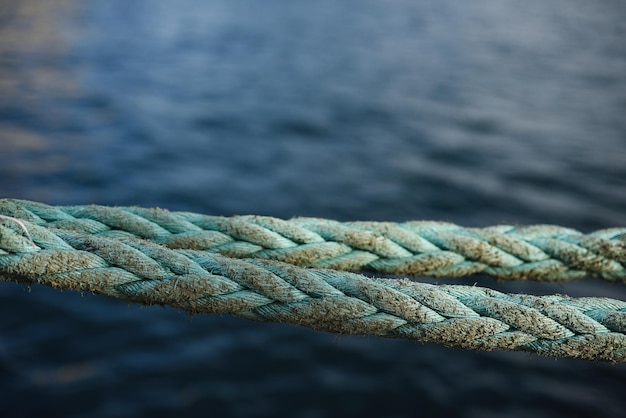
x=136 y=269
x=427 y=248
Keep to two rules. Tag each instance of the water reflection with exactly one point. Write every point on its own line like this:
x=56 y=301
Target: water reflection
x=35 y=78
x=33 y=52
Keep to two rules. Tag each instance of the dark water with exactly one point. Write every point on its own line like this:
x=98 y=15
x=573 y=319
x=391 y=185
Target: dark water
x=479 y=113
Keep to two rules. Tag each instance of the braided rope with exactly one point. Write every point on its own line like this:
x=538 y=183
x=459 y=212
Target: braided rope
x=438 y=249
x=136 y=269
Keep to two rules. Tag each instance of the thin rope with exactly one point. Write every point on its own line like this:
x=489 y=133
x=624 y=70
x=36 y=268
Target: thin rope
x=136 y=269
x=427 y=248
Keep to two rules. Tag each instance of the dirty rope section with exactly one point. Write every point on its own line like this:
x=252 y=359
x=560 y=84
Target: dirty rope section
x=297 y=271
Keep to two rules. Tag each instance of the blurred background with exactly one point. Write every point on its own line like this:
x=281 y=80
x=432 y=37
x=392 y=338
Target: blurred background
x=480 y=113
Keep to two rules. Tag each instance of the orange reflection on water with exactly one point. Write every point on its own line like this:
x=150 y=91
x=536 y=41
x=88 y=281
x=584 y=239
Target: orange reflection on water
x=33 y=47
x=33 y=74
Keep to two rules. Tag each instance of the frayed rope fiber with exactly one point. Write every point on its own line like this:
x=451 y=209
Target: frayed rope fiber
x=154 y=256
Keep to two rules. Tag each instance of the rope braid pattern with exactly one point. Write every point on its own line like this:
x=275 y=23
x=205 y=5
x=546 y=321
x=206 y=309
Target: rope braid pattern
x=428 y=248
x=127 y=266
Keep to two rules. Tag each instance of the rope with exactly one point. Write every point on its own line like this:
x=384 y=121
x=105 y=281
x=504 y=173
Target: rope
x=121 y=264
x=427 y=248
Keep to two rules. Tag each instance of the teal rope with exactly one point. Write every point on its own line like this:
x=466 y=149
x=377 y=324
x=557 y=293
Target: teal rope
x=427 y=248
x=136 y=269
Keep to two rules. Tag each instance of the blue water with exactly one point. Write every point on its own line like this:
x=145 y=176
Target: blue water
x=479 y=113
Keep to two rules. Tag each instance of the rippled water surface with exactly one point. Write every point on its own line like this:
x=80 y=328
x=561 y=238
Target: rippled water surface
x=479 y=113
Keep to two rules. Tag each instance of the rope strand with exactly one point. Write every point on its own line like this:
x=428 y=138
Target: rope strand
x=427 y=248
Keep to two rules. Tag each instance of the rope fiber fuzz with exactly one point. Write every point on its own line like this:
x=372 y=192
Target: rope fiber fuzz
x=153 y=256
